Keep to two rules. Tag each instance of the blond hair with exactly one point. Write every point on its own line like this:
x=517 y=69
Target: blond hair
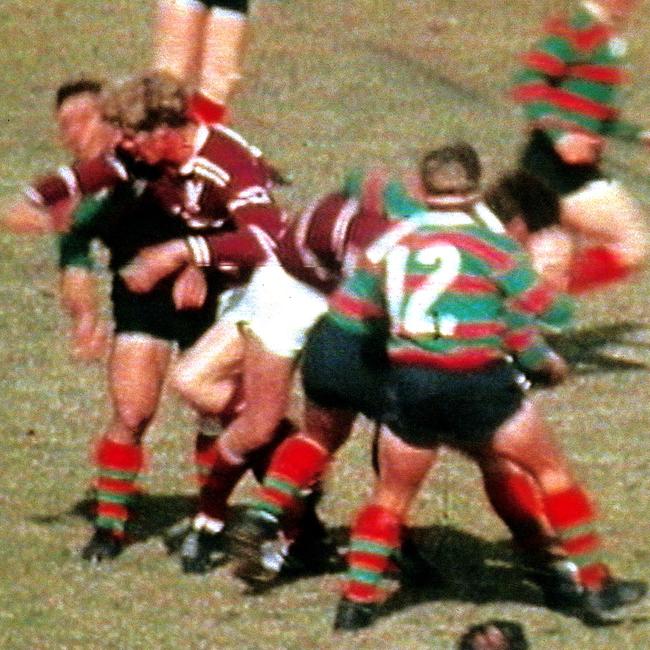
x=145 y=102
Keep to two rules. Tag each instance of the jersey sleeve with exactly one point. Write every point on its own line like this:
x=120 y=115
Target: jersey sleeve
x=529 y=307
x=81 y=179
x=358 y=303
x=243 y=182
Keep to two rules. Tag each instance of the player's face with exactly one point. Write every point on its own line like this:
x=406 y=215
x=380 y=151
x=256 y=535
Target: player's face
x=81 y=128
x=163 y=145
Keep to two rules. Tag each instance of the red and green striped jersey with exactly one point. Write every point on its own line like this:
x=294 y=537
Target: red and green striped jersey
x=571 y=79
x=451 y=293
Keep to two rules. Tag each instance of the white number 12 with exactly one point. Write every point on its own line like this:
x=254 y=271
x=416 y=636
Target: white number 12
x=412 y=313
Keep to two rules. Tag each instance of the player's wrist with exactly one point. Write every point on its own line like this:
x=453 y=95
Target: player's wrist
x=199 y=251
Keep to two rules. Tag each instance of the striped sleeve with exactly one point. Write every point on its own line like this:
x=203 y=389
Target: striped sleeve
x=358 y=302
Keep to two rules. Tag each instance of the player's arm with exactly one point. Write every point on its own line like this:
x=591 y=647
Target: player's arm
x=78 y=283
x=53 y=196
x=529 y=305
x=358 y=303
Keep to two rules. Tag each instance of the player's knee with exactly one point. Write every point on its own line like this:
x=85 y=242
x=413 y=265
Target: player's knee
x=133 y=418
x=183 y=379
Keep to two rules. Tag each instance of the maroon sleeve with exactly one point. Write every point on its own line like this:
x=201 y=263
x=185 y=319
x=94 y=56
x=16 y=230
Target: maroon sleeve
x=258 y=219
x=84 y=177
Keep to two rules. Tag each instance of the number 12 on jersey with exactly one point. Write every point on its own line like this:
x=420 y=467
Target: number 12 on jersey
x=415 y=281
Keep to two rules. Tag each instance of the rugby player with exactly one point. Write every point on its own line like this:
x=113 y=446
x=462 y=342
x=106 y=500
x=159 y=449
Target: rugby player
x=451 y=301
x=169 y=178
x=568 y=89
x=279 y=307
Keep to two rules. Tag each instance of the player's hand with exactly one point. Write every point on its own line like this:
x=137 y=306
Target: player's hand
x=579 y=148
x=26 y=218
x=90 y=337
x=154 y=263
x=554 y=371
x=190 y=289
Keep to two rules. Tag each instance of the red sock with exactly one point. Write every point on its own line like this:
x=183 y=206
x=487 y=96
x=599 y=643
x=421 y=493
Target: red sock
x=573 y=517
x=374 y=538
x=219 y=484
x=204 y=110
x=517 y=500
x=596 y=267
x=118 y=466
x=296 y=465
x=260 y=459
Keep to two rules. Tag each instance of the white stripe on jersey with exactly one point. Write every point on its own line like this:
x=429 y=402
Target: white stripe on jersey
x=233 y=135
x=341 y=227
x=264 y=240
x=70 y=179
x=207 y=169
x=307 y=257
x=255 y=195
x=200 y=250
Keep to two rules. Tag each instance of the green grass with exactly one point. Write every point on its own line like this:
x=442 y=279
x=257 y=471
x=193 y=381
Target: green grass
x=327 y=85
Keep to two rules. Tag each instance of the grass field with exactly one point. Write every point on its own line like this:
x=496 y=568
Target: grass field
x=327 y=85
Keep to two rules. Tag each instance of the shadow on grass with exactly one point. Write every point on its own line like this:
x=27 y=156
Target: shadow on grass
x=158 y=515
x=585 y=350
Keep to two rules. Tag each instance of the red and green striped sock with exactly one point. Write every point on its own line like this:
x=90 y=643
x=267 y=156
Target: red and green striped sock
x=118 y=467
x=374 y=538
x=573 y=516
x=296 y=465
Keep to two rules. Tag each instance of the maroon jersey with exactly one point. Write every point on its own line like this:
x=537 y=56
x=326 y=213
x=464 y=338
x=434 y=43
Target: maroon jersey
x=223 y=188
x=324 y=240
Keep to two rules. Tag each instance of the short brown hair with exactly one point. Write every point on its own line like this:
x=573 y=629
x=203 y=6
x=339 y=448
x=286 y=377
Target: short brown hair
x=145 y=102
x=454 y=168
x=76 y=87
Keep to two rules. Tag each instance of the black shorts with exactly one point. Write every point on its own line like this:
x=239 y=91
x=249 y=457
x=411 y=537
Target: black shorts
x=540 y=159
x=154 y=313
x=427 y=407
x=232 y=5
x=344 y=370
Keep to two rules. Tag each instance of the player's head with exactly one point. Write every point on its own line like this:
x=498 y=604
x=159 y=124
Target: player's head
x=79 y=118
x=151 y=111
x=452 y=169
x=617 y=11
x=494 y=635
x=523 y=203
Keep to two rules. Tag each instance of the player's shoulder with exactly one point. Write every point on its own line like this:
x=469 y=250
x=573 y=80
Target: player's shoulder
x=220 y=136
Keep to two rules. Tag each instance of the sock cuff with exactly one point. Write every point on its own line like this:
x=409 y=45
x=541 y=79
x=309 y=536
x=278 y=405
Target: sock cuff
x=377 y=524
x=119 y=456
x=299 y=460
x=569 y=508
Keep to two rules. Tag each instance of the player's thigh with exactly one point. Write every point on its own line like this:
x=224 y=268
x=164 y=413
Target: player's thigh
x=137 y=368
x=605 y=211
x=402 y=469
x=215 y=357
x=268 y=379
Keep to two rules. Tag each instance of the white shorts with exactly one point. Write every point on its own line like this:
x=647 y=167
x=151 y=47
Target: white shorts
x=278 y=309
